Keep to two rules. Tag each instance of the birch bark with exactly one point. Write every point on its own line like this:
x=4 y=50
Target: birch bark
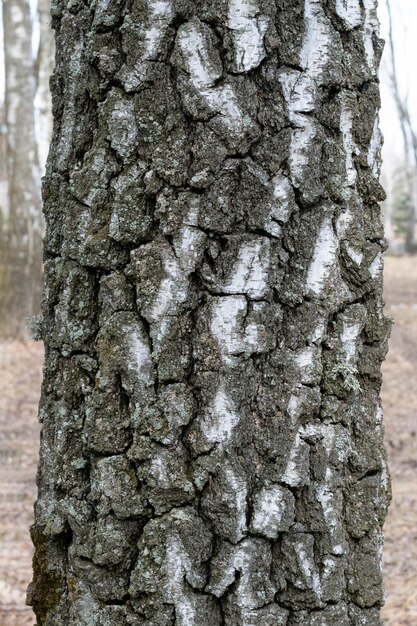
x=212 y=447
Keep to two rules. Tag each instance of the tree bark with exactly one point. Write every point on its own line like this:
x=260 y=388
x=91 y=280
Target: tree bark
x=212 y=446
x=20 y=279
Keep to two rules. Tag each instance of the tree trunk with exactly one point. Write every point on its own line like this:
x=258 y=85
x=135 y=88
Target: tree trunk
x=45 y=66
x=409 y=141
x=212 y=446
x=20 y=279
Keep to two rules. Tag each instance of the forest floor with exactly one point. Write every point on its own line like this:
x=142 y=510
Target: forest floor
x=20 y=373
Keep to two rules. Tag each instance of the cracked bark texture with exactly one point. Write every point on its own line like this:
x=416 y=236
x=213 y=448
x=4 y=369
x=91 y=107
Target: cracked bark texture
x=212 y=430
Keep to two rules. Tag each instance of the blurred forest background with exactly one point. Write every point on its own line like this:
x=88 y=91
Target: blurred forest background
x=26 y=63
x=25 y=128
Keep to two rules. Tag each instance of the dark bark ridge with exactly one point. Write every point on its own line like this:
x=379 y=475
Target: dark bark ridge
x=212 y=447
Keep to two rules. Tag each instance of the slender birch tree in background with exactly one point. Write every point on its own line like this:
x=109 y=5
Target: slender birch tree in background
x=21 y=265
x=212 y=447
x=409 y=141
x=44 y=68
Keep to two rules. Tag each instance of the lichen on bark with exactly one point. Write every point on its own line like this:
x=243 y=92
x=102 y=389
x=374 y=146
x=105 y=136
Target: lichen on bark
x=212 y=447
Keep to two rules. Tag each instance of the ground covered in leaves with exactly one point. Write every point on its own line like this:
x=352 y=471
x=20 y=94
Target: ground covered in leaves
x=20 y=373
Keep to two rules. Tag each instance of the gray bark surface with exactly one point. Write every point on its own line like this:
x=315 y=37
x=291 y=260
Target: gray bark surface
x=212 y=444
x=21 y=262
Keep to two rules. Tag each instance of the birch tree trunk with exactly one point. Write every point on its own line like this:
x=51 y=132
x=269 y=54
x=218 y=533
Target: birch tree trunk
x=212 y=446
x=409 y=141
x=22 y=265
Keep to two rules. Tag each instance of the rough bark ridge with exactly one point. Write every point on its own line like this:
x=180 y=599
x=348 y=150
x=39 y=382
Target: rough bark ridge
x=21 y=262
x=212 y=440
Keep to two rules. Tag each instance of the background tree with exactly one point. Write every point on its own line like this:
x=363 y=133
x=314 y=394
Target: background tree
x=21 y=266
x=410 y=144
x=400 y=203
x=44 y=67
x=212 y=440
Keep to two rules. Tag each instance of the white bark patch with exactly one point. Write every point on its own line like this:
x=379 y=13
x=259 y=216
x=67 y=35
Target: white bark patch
x=203 y=72
x=238 y=487
x=350 y=148
x=294 y=408
x=308 y=364
x=272 y=228
x=187 y=244
x=308 y=567
x=173 y=290
x=350 y=12
x=331 y=501
x=299 y=93
x=326 y=498
x=355 y=255
x=343 y=221
x=82 y=224
x=282 y=204
x=316 y=46
x=232 y=335
x=123 y=128
x=159 y=16
x=250 y=274
x=385 y=476
x=305 y=358
x=177 y=566
x=298 y=467
x=334 y=441
x=371 y=29
x=349 y=339
x=248 y=32
x=159 y=469
x=299 y=88
x=379 y=415
x=324 y=257
x=273 y=511
x=222 y=417
x=301 y=140
x=374 y=151
x=376 y=266
x=141 y=360
x=226 y=325
x=329 y=567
